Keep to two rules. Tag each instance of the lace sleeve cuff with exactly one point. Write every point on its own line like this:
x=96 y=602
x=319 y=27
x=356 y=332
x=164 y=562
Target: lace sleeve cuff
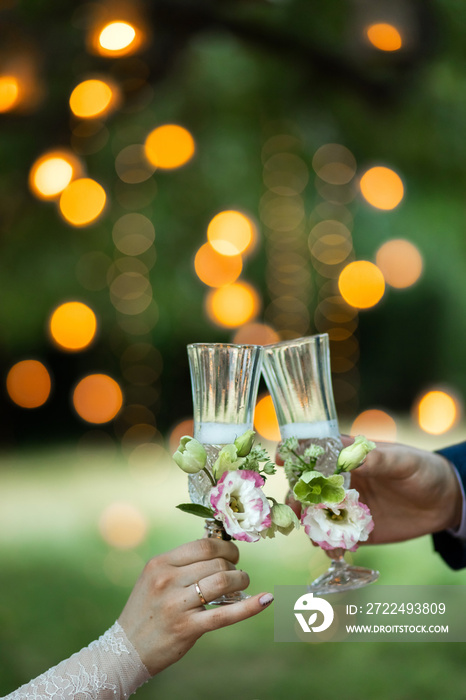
x=108 y=669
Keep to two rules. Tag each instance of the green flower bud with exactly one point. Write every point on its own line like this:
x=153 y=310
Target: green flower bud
x=313 y=488
x=244 y=443
x=190 y=456
x=283 y=518
x=226 y=461
x=354 y=455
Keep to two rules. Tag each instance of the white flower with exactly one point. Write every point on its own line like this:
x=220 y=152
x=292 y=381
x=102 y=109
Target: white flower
x=239 y=502
x=344 y=524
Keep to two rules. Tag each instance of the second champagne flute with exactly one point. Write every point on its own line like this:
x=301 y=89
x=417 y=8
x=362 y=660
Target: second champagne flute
x=297 y=373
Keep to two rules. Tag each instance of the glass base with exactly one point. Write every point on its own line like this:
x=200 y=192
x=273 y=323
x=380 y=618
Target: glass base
x=342 y=577
x=229 y=598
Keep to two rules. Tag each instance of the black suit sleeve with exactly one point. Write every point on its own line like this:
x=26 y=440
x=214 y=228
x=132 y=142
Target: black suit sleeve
x=452 y=549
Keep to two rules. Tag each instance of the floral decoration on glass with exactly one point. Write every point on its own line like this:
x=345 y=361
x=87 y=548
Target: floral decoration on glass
x=239 y=508
x=332 y=515
x=224 y=383
x=297 y=374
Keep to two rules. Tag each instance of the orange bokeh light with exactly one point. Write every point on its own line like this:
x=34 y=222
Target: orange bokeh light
x=384 y=36
x=122 y=525
x=256 y=334
x=73 y=325
x=265 y=419
x=185 y=427
x=82 y=202
x=231 y=232
x=375 y=425
x=117 y=38
x=232 y=305
x=334 y=164
x=93 y=98
x=169 y=146
x=28 y=384
x=52 y=173
x=97 y=398
x=214 y=269
x=9 y=92
x=382 y=187
x=361 y=284
x=437 y=412
x=400 y=262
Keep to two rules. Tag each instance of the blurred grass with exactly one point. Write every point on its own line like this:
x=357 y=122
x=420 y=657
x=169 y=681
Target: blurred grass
x=61 y=586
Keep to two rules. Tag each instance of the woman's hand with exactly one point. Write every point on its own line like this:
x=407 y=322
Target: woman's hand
x=164 y=615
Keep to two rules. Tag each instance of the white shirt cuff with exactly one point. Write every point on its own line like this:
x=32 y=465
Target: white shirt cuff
x=460 y=531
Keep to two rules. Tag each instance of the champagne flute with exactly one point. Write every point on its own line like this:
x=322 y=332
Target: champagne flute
x=224 y=380
x=297 y=374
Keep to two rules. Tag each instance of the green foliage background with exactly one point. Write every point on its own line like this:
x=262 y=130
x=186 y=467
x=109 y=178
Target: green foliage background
x=234 y=73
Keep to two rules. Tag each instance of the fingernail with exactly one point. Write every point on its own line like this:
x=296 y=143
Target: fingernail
x=266 y=599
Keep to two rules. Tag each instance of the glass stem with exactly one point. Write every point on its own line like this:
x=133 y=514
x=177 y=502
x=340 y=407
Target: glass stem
x=338 y=565
x=337 y=555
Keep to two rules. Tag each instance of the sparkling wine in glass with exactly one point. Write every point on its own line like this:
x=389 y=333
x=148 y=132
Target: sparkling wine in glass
x=297 y=374
x=224 y=380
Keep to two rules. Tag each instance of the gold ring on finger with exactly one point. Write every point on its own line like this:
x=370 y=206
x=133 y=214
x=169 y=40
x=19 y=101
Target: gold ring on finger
x=199 y=593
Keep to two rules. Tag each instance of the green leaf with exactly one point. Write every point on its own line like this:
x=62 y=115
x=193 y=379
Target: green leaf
x=313 y=488
x=196 y=509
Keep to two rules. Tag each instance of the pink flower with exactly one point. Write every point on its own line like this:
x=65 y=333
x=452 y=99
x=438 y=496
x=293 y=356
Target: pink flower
x=239 y=502
x=342 y=524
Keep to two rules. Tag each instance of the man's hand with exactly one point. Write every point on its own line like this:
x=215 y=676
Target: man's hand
x=410 y=492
